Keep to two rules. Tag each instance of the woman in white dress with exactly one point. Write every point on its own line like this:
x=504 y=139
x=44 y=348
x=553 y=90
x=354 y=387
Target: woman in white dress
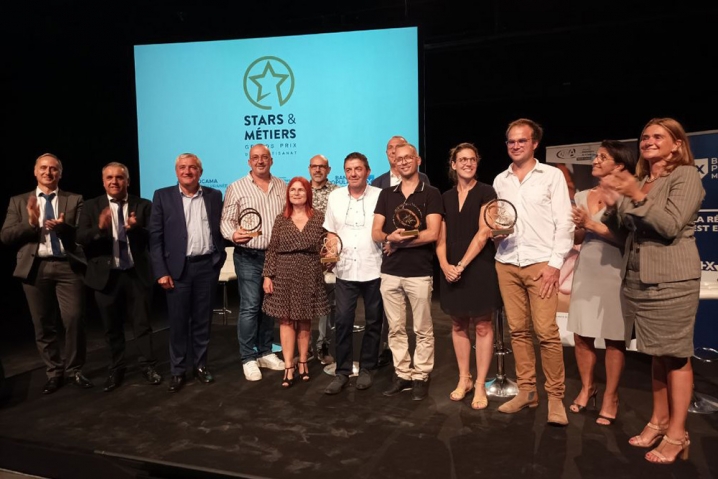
x=595 y=310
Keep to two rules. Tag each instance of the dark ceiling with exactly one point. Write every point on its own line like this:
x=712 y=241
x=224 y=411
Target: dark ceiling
x=559 y=43
x=582 y=68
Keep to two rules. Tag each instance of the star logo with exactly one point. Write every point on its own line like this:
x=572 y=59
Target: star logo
x=268 y=82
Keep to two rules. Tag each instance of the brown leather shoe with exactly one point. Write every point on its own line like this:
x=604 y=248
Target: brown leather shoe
x=556 y=412
x=521 y=400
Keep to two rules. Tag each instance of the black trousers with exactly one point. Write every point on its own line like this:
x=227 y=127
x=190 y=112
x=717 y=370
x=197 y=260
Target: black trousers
x=53 y=284
x=189 y=307
x=126 y=299
x=347 y=294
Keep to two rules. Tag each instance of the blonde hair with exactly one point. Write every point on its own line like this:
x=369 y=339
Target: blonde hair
x=682 y=156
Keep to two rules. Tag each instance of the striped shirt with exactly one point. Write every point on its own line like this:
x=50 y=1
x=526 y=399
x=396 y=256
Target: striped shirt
x=245 y=193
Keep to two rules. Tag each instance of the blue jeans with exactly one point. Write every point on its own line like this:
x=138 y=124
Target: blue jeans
x=255 y=330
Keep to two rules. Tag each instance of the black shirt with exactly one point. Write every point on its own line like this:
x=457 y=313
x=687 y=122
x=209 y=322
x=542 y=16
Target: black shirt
x=409 y=262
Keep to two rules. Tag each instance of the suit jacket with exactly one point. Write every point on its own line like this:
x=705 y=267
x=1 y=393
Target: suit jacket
x=664 y=227
x=98 y=243
x=16 y=231
x=384 y=181
x=168 y=231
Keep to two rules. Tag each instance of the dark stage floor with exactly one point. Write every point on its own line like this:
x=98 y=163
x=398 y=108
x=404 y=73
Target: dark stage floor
x=235 y=428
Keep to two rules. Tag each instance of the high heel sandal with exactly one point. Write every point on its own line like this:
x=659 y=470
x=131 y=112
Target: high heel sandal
x=658 y=456
x=578 y=409
x=638 y=441
x=305 y=375
x=288 y=382
x=478 y=402
x=609 y=420
x=460 y=393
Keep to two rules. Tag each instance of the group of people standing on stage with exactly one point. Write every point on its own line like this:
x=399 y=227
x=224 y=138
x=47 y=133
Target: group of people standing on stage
x=637 y=273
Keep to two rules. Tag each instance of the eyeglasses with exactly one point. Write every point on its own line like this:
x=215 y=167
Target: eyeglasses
x=404 y=159
x=601 y=157
x=519 y=142
x=465 y=160
x=321 y=167
x=353 y=218
x=257 y=157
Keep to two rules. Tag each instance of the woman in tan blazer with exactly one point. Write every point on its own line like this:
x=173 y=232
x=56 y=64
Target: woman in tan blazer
x=661 y=276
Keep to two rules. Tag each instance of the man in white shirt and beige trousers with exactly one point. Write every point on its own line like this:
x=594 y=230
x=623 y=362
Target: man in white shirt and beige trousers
x=528 y=263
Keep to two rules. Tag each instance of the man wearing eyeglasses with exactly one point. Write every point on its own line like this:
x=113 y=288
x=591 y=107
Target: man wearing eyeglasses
x=528 y=263
x=391 y=178
x=319 y=170
x=350 y=214
x=266 y=194
x=407 y=270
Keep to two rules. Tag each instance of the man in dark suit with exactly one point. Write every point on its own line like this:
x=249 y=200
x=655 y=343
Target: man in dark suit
x=42 y=223
x=113 y=231
x=187 y=251
x=391 y=178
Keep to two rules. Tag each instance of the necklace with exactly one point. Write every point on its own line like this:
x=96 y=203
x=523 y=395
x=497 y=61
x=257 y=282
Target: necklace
x=651 y=180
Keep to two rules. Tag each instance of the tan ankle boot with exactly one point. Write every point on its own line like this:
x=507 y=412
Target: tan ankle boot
x=521 y=400
x=556 y=412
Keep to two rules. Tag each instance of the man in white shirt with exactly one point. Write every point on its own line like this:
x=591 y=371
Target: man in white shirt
x=350 y=215
x=528 y=263
x=266 y=194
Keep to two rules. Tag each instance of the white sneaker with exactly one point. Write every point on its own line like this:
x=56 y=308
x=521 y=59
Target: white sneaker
x=271 y=361
x=251 y=371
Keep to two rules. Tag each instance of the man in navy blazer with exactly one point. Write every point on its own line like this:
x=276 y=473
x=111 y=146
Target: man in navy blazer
x=187 y=251
x=114 y=235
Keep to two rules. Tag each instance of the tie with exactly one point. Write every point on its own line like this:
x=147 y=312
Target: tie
x=50 y=215
x=122 y=236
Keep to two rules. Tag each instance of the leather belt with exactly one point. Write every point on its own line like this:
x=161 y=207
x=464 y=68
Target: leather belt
x=201 y=257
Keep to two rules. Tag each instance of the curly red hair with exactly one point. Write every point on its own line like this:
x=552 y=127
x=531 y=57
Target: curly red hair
x=288 y=207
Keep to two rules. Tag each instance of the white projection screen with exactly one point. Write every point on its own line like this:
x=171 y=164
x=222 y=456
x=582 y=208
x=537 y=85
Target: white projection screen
x=330 y=94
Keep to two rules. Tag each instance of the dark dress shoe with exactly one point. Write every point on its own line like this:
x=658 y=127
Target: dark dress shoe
x=152 y=376
x=203 y=375
x=52 y=385
x=176 y=383
x=114 y=380
x=81 y=381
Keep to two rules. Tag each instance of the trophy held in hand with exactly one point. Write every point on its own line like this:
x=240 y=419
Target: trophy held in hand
x=500 y=216
x=407 y=216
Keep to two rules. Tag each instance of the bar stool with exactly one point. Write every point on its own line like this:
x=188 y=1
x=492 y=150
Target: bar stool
x=226 y=274
x=501 y=386
x=703 y=403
